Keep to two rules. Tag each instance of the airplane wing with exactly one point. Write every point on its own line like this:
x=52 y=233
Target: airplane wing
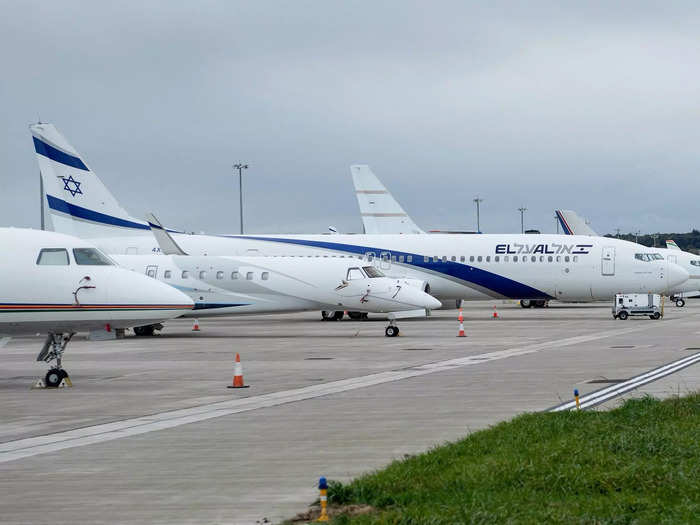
x=167 y=245
x=573 y=224
x=671 y=245
x=381 y=213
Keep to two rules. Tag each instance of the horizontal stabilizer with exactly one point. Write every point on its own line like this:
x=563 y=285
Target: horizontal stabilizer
x=167 y=245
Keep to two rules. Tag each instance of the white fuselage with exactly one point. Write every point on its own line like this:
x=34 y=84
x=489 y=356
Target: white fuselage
x=249 y=285
x=471 y=267
x=63 y=298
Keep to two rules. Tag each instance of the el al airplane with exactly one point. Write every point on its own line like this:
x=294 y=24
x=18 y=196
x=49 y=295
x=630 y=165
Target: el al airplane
x=573 y=224
x=453 y=266
x=57 y=284
x=226 y=285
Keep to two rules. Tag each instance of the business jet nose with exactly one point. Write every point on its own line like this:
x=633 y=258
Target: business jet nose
x=418 y=298
x=676 y=276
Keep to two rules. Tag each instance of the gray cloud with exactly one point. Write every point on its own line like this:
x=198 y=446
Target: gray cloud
x=589 y=106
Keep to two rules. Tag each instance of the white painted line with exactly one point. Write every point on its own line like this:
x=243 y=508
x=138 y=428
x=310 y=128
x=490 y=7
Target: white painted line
x=610 y=392
x=22 y=448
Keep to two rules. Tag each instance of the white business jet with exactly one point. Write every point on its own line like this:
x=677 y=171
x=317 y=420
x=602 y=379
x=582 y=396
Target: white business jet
x=58 y=285
x=451 y=266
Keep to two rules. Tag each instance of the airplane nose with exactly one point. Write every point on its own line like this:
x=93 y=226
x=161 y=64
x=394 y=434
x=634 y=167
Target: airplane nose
x=433 y=304
x=676 y=275
x=423 y=300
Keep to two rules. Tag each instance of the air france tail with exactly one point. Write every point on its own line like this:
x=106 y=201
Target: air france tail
x=573 y=224
x=381 y=213
x=78 y=202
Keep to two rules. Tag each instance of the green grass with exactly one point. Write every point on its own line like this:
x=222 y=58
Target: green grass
x=639 y=463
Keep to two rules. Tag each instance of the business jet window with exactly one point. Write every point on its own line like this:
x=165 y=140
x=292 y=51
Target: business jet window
x=354 y=273
x=695 y=263
x=372 y=272
x=249 y=276
x=202 y=274
x=234 y=275
x=265 y=276
x=219 y=275
x=185 y=274
x=53 y=257
x=90 y=257
x=646 y=257
x=168 y=274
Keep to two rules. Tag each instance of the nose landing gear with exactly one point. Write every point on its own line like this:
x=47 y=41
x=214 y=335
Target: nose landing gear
x=53 y=349
x=392 y=330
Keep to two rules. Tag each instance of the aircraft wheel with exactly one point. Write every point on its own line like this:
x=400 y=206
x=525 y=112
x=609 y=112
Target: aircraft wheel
x=391 y=331
x=540 y=303
x=355 y=315
x=54 y=377
x=623 y=315
x=680 y=303
x=526 y=303
x=143 y=331
x=656 y=315
x=338 y=315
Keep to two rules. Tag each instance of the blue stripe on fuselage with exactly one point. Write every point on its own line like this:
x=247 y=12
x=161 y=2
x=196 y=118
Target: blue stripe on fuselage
x=492 y=281
x=48 y=151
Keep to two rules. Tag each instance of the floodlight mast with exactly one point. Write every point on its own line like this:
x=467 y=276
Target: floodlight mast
x=240 y=167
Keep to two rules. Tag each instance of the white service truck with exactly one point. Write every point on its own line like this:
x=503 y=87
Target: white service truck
x=627 y=304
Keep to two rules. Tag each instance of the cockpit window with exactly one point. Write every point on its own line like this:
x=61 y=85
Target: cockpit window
x=53 y=257
x=354 y=273
x=696 y=262
x=372 y=272
x=91 y=257
x=648 y=257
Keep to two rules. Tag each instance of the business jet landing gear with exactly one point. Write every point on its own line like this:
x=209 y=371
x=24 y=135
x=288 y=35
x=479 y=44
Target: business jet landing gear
x=392 y=330
x=53 y=349
x=148 y=330
x=680 y=303
x=332 y=316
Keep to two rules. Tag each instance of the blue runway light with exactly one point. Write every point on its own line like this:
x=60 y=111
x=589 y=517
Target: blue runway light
x=575 y=391
x=322 y=484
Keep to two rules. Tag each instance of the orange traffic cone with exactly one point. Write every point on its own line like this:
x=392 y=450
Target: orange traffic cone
x=195 y=326
x=495 y=313
x=238 y=374
x=461 y=324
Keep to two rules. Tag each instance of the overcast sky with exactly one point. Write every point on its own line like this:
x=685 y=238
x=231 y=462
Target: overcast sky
x=592 y=106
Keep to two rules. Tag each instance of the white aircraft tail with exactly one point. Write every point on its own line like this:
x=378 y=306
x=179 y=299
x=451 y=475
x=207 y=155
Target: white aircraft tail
x=380 y=211
x=671 y=245
x=573 y=224
x=78 y=202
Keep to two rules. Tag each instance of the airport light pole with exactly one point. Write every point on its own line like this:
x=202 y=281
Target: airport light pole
x=240 y=167
x=477 y=200
x=522 y=219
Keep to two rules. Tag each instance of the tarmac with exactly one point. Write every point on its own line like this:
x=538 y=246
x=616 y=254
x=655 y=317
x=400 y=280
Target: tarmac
x=150 y=433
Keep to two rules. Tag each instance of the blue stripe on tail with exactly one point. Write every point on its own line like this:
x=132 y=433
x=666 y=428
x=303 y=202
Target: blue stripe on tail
x=48 y=151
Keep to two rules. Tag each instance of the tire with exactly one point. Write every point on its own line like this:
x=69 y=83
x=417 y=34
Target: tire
x=144 y=331
x=540 y=303
x=680 y=303
x=338 y=315
x=656 y=316
x=356 y=316
x=623 y=315
x=54 y=377
x=391 y=331
x=526 y=303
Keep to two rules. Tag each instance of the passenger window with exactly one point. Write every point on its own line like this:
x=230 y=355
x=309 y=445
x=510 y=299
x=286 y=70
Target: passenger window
x=265 y=276
x=168 y=274
x=575 y=258
x=479 y=258
x=426 y=258
x=234 y=275
x=151 y=273
x=566 y=258
x=219 y=275
x=453 y=258
x=533 y=259
x=53 y=257
x=462 y=258
x=90 y=257
x=488 y=258
x=393 y=258
x=409 y=258
x=185 y=274
x=541 y=258
x=550 y=258
x=400 y=258
x=496 y=258
x=354 y=273
x=444 y=258
x=436 y=259
x=471 y=258
x=515 y=258
x=202 y=274
x=558 y=258
x=249 y=276
x=505 y=258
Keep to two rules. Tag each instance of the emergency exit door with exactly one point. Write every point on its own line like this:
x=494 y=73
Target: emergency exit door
x=607 y=263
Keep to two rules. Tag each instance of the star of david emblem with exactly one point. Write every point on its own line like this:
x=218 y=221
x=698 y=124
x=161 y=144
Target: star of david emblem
x=71 y=185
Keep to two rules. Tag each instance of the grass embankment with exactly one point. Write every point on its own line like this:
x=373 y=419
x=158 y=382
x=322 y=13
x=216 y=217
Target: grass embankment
x=639 y=463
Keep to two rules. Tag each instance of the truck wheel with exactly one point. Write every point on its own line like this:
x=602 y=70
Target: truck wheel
x=657 y=315
x=623 y=315
x=680 y=303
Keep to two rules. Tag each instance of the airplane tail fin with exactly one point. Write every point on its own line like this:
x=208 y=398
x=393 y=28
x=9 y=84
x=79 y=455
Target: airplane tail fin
x=167 y=244
x=671 y=245
x=78 y=202
x=381 y=213
x=573 y=224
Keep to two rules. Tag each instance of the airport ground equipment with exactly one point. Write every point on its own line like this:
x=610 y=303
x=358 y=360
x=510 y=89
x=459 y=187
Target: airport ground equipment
x=323 y=498
x=461 y=324
x=238 y=374
x=637 y=304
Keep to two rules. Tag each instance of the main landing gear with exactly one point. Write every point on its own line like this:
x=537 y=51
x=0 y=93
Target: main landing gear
x=529 y=303
x=53 y=349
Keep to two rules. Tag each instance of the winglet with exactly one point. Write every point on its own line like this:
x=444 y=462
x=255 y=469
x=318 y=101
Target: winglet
x=671 y=245
x=167 y=245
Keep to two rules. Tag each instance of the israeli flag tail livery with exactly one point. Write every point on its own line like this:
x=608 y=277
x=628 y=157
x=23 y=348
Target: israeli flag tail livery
x=78 y=202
